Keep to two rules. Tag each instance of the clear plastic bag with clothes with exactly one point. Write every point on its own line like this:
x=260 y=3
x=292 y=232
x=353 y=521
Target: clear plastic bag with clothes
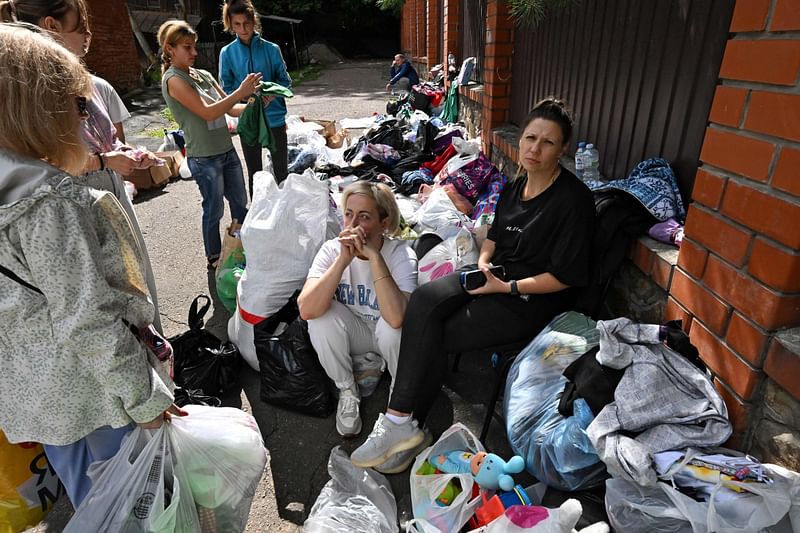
x=556 y=449
x=448 y=256
x=425 y=489
x=355 y=500
x=761 y=507
x=196 y=474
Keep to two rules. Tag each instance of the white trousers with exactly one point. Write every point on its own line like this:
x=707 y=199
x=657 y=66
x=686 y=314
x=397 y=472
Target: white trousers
x=339 y=334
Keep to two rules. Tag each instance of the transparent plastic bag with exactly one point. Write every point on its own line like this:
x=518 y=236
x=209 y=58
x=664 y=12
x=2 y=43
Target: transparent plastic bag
x=196 y=474
x=355 y=499
x=425 y=489
x=556 y=449
x=772 y=507
x=448 y=256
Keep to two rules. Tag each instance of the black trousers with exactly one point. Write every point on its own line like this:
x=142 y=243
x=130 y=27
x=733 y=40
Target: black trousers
x=441 y=318
x=253 y=157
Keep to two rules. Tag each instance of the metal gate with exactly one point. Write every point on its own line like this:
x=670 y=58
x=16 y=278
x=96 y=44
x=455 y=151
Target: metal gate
x=639 y=76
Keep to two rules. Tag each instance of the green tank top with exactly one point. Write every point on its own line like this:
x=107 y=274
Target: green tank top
x=203 y=138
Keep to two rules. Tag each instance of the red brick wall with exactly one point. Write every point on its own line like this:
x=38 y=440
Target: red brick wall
x=738 y=275
x=113 y=53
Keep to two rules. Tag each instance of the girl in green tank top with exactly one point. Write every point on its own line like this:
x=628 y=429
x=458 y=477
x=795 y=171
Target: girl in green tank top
x=199 y=105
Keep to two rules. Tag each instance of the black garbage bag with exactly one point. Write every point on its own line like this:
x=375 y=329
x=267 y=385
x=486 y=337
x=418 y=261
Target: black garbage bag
x=291 y=374
x=202 y=360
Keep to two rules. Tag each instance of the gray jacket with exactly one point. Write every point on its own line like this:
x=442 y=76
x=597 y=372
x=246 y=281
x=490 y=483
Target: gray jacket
x=663 y=397
x=70 y=364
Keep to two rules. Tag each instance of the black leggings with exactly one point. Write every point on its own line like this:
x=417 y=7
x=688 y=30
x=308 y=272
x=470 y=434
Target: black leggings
x=441 y=318
x=253 y=157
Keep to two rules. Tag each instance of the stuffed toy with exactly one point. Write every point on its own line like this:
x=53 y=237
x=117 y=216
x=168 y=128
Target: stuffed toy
x=490 y=470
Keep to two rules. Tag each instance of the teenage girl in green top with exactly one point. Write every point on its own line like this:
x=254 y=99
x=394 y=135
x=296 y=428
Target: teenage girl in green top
x=199 y=105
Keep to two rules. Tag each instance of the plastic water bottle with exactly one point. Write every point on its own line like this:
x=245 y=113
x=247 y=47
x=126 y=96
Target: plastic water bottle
x=591 y=166
x=579 y=159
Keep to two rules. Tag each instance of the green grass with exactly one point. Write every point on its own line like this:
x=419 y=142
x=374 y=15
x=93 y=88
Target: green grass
x=158 y=132
x=307 y=73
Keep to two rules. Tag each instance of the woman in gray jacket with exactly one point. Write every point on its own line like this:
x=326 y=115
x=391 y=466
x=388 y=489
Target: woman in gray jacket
x=75 y=377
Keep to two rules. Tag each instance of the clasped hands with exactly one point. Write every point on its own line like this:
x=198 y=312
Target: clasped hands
x=354 y=243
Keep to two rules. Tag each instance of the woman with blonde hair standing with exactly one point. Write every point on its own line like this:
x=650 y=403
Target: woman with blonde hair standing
x=67 y=21
x=199 y=105
x=75 y=377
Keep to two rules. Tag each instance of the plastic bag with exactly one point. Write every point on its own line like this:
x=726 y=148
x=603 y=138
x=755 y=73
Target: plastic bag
x=426 y=488
x=438 y=214
x=469 y=174
x=230 y=267
x=282 y=233
x=448 y=256
x=764 y=507
x=291 y=374
x=556 y=449
x=28 y=485
x=196 y=474
x=203 y=361
x=355 y=499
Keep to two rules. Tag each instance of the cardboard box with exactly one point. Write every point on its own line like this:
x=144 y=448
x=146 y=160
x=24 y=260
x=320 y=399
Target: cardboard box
x=158 y=176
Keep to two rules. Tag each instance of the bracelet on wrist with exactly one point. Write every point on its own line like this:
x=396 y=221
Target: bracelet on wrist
x=514 y=288
x=376 y=280
x=102 y=161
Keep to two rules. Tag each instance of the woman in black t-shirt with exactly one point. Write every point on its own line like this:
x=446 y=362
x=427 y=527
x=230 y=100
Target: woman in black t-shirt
x=541 y=234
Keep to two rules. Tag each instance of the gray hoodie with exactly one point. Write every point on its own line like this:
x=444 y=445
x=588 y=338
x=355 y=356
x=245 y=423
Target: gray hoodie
x=70 y=364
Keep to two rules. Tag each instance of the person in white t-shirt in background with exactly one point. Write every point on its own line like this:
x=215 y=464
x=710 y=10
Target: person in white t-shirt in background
x=117 y=111
x=356 y=293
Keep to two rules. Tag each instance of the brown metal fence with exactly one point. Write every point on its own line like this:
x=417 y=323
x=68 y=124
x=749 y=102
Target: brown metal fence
x=473 y=35
x=639 y=76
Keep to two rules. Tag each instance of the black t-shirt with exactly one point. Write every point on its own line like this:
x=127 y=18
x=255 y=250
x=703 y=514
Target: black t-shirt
x=549 y=233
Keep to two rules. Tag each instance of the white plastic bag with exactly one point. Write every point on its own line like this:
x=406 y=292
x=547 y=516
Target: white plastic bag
x=355 y=499
x=448 y=256
x=438 y=214
x=771 y=507
x=282 y=233
x=426 y=488
x=196 y=474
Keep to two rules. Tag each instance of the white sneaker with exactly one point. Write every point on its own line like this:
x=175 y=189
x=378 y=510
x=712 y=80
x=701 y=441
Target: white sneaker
x=400 y=462
x=387 y=439
x=348 y=418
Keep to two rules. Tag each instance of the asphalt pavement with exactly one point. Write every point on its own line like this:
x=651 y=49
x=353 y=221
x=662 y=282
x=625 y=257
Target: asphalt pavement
x=299 y=446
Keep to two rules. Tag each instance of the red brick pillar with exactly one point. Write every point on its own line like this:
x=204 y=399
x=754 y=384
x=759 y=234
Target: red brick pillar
x=497 y=68
x=738 y=275
x=419 y=42
x=407 y=25
x=434 y=32
x=113 y=53
x=450 y=20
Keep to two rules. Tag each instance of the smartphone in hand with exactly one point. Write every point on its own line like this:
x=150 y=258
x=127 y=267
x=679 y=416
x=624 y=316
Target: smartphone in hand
x=474 y=279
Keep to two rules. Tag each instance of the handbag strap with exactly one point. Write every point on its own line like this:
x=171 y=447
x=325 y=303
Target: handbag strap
x=9 y=274
x=195 y=315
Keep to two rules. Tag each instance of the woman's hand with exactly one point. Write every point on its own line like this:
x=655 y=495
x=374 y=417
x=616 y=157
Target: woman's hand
x=166 y=416
x=493 y=283
x=248 y=85
x=122 y=162
x=348 y=242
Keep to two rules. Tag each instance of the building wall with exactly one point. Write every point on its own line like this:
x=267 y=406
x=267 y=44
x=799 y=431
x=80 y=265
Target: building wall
x=737 y=284
x=113 y=54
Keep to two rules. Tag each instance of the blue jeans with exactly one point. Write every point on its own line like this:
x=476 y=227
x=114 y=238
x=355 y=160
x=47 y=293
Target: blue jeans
x=218 y=176
x=71 y=462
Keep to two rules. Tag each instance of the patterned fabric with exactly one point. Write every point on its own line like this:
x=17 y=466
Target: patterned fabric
x=70 y=364
x=653 y=183
x=487 y=201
